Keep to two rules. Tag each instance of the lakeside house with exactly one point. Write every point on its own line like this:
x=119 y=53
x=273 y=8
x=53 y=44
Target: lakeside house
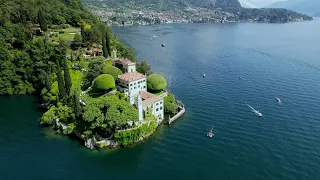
x=134 y=85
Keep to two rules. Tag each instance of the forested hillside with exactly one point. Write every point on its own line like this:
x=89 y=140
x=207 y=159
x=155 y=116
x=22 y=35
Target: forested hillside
x=28 y=49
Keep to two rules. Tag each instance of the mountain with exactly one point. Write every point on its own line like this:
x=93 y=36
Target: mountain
x=169 y=4
x=309 y=7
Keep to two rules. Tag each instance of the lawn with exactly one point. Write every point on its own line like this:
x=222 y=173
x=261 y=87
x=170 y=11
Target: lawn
x=65 y=34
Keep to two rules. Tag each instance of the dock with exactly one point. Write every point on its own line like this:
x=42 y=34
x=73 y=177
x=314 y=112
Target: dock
x=179 y=114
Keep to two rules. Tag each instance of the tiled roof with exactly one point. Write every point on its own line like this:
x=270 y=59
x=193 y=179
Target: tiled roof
x=124 y=61
x=148 y=98
x=131 y=76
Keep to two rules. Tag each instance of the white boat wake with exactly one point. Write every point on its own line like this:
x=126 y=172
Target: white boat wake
x=255 y=111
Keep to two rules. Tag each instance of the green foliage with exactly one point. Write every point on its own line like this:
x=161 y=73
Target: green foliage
x=143 y=67
x=104 y=82
x=113 y=71
x=77 y=106
x=108 y=111
x=61 y=112
x=67 y=77
x=77 y=42
x=70 y=128
x=61 y=85
x=42 y=20
x=108 y=45
x=156 y=82
x=170 y=104
x=128 y=137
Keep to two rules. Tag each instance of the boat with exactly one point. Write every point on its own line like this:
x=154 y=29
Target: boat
x=240 y=77
x=204 y=75
x=163 y=45
x=210 y=133
x=278 y=100
x=259 y=114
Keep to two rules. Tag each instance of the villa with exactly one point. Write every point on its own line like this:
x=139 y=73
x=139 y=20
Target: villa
x=134 y=85
x=125 y=65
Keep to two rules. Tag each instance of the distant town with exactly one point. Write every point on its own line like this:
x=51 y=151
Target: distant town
x=143 y=16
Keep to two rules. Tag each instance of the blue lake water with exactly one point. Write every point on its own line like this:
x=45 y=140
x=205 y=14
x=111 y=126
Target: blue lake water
x=274 y=60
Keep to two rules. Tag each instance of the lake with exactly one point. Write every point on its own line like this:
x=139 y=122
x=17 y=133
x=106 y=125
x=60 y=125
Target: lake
x=274 y=60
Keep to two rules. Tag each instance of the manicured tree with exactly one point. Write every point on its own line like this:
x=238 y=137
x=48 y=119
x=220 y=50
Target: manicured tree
x=113 y=71
x=104 y=82
x=104 y=48
x=77 y=106
x=67 y=78
x=62 y=90
x=108 y=46
x=42 y=20
x=156 y=82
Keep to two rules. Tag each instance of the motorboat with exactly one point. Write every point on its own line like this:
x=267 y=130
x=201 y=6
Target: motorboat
x=259 y=114
x=278 y=100
x=210 y=133
x=163 y=45
x=240 y=77
x=204 y=75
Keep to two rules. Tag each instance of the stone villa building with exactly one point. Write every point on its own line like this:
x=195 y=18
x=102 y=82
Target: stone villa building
x=134 y=85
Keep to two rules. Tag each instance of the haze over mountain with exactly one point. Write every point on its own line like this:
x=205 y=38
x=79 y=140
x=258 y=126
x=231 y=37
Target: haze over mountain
x=168 y=4
x=310 y=7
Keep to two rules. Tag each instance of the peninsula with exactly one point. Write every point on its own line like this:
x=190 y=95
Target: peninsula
x=90 y=84
x=143 y=12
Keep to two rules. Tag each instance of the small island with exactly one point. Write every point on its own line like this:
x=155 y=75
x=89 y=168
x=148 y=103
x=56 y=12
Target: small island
x=91 y=86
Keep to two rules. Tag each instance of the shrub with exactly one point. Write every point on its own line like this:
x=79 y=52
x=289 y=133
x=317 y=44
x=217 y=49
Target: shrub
x=113 y=71
x=103 y=82
x=156 y=82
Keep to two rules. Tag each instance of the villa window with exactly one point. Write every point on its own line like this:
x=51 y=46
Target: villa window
x=134 y=87
x=161 y=102
x=135 y=83
x=144 y=86
x=161 y=108
x=138 y=86
x=157 y=109
x=157 y=104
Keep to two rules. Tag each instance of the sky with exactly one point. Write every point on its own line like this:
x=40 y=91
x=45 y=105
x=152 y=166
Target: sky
x=257 y=3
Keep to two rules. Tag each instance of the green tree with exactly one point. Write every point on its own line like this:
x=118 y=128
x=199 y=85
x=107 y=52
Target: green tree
x=156 y=82
x=77 y=42
x=77 y=106
x=42 y=20
x=67 y=78
x=104 y=48
x=104 y=82
x=113 y=71
x=143 y=67
x=108 y=45
x=61 y=85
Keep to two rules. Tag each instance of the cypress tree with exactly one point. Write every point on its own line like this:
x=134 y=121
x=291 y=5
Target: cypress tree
x=47 y=81
x=83 y=34
x=104 y=48
x=67 y=78
x=77 y=107
x=42 y=20
x=108 y=46
x=62 y=90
